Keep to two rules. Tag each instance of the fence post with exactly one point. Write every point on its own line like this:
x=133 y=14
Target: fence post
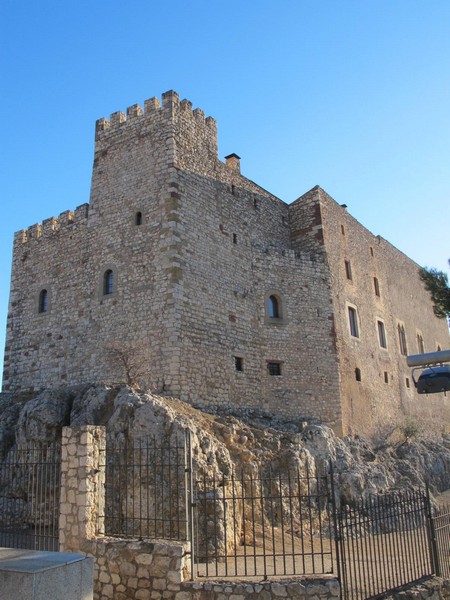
x=434 y=554
x=190 y=503
x=82 y=475
x=336 y=527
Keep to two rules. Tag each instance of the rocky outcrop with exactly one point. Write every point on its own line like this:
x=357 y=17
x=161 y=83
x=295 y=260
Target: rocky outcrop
x=224 y=442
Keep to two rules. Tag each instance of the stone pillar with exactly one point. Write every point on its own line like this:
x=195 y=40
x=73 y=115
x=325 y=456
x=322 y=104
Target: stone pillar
x=82 y=478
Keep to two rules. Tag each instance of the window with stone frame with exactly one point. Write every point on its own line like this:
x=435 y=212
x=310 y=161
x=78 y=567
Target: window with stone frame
x=420 y=344
x=402 y=339
x=381 y=334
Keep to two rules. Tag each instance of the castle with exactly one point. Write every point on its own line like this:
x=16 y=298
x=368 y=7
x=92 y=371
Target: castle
x=233 y=297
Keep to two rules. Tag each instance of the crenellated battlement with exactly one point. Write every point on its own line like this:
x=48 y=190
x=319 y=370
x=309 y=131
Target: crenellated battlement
x=153 y=109
x=51 y=225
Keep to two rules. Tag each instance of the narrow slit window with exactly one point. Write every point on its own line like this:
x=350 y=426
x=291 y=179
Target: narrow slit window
x=138 y=218
x=348 y=270
x=235 y=238
x=353 y=322
x=376 y=286
x=358 y=374
x=386 y=377
x=43 y=301
x=108 y=282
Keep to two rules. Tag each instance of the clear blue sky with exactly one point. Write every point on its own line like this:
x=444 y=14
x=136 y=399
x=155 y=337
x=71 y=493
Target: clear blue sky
x=351 y=95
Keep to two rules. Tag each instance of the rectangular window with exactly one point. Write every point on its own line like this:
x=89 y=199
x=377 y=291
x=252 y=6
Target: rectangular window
x=353 y=321
x=239 y=363
x=234 y=238
x=376 y=286
x=348 y=270
x=386 y=377
x=274 y=368
x=381 y=334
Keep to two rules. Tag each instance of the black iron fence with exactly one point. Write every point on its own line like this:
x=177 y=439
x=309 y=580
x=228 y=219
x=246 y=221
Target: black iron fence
x=440 y=540
x=262 y=524
x=384 y=543
x=243 y=524
x=146 y=488
x=30 y=479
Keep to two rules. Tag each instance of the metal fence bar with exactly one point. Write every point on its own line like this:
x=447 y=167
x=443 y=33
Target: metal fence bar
x=383 y=544
x=30 y=480
x=146 y=488
x=440 y=523
x=262 y=524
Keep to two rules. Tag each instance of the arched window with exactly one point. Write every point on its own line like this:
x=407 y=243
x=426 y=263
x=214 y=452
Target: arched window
x=274 y=307
x=402 y=339
x=138 y=218
x=420 y=344
x=43 y=301
x=108 y=282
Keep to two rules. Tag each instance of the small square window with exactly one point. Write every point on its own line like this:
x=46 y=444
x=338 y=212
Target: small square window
x=239 y=363
x=274 y=368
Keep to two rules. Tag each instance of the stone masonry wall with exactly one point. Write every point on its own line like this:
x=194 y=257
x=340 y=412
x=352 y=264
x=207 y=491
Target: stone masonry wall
x=385 y=393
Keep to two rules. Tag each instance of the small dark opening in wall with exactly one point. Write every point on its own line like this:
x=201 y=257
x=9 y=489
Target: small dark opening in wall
x=371 y=251
x=386 y=377
x=342 y=230
x=255 y=202
x=239 y=363
x=348 y=270
x=138 y=218
x=358 y=374
x=376 y=286
x=233 y=190
x=407 y=382
x=274 y=368
x=234 y=238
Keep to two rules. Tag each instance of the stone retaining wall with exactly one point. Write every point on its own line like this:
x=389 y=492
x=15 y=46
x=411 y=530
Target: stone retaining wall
x=433 y=589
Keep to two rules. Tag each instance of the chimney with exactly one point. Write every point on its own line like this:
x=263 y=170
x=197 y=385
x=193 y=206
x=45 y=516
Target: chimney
x=233 y=163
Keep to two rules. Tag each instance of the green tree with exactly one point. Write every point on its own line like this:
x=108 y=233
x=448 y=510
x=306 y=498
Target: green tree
x=436 y=282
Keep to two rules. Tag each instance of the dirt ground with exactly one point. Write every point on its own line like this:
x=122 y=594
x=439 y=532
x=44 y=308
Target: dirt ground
x=444 y=498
